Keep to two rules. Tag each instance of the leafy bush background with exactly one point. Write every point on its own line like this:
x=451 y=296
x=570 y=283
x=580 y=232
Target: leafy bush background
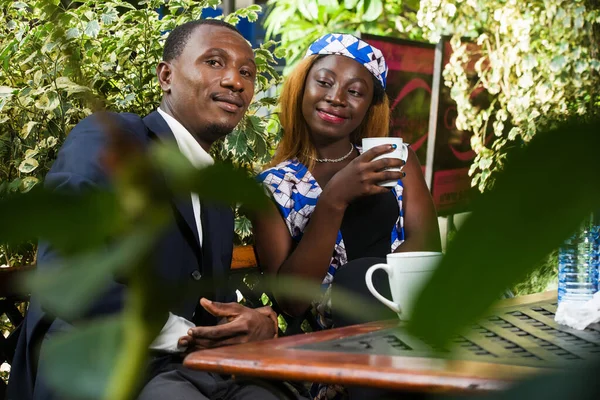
x=539 y=61
x=60 y=61
x=297 y=23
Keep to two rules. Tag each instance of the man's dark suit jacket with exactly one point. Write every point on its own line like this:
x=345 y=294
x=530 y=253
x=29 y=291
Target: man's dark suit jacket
x=178 y=256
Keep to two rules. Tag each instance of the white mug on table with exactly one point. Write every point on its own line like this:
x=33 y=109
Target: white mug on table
x=400 y=152
x=408 y=273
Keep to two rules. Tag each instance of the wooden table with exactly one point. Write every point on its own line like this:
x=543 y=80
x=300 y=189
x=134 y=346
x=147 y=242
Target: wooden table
x=321 y=356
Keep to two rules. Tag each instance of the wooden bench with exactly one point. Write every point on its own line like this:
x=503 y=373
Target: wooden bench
x=245 y=275
x=244 y=257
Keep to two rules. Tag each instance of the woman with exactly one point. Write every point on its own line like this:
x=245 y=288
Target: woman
x=330 y=101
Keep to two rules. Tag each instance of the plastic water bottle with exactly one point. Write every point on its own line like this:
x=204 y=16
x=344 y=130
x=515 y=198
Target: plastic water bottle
x=578 y=260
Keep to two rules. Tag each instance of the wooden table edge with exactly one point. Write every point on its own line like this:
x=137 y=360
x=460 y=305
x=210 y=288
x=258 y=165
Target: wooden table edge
x=248 y=360
x=357 y=375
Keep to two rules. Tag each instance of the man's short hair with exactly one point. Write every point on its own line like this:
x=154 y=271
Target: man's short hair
x=179 y=36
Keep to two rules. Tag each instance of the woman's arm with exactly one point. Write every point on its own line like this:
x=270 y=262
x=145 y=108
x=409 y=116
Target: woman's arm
x=421 y=230
x=309 y=260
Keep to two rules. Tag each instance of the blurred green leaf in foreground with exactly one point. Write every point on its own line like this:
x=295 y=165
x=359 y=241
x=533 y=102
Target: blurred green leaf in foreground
x=544 y=194
x=123 y=226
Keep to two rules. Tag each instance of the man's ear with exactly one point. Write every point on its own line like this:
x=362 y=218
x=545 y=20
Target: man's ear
x=164 y=73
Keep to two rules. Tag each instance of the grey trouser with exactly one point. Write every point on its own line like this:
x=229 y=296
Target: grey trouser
x=176 y=382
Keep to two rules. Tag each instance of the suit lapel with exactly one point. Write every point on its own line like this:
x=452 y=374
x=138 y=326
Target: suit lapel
x=183 y=204
x=218 y=220
x=211 y=222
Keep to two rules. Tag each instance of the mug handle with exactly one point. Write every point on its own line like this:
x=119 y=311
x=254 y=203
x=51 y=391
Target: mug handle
x=369 y=281
x=405 y=151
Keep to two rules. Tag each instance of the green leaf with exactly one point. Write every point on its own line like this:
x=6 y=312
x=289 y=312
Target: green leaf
x=350 y=4
x=26 y=130
x=268 y=101
x=243 y=190
x=414 y=4
x=110 y=16
x=280 y=52
x=48 y=101
x=273 y=126
x=208 y=182
x=65 y=83
x=512 y=228
x=73 y=33
x=37 y=77
x=28 y=183
x=29 y=153
x=50 y=142
x=309 y=9
x=252 y=17
x=360 y=7
x=580 y=66
x=28 y=165
x=261 y=148
x=6 y=91
x=14 y=185
x=87 y=354
x=330 y=6
x=529 y=62
x=57 y=217
x=53 y=285
x=92 y=28
x=48 y=47
x=265 y=300
x=254 y=8
x=237 y=142
x=373 y=10
x=125 y=4
x=243 y=227
x=558 y=63
x=29 y=58
x=232 y=19
x=264 y=54
x=572 y=382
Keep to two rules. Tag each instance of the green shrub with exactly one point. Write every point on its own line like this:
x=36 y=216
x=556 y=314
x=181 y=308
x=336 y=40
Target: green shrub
x=539 y=60
x=60 y=62
x=300 y=22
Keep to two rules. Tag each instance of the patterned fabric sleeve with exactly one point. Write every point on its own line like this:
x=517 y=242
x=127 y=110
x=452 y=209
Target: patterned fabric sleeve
x=295 y=193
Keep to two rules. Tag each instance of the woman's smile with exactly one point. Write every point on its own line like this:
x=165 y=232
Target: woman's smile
x=331 y=117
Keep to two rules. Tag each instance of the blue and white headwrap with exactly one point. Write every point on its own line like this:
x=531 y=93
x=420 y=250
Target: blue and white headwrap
x=351 y=46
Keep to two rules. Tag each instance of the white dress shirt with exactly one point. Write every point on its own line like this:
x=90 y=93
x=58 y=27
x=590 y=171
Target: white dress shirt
x=196 y=155
x=176 y=326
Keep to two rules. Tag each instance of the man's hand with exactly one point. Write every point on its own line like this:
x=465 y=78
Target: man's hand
x=242 y=325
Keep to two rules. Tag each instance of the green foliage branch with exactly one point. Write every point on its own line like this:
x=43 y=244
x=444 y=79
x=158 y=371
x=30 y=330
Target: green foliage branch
x=538 y=60
x=60 y=61
x=299 y=22
x=512 y=227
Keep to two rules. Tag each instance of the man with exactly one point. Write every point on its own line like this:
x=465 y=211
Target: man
x=207 y=77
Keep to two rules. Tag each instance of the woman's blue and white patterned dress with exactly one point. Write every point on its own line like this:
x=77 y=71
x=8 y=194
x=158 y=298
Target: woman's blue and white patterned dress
x=295 y=191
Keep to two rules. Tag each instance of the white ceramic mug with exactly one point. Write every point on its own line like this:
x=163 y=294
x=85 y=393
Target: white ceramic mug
x=408 y=273
x=400 y=152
